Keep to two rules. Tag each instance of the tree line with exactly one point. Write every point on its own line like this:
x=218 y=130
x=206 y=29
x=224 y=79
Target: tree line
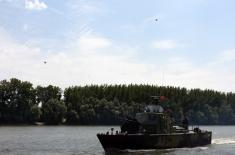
x=21 y=103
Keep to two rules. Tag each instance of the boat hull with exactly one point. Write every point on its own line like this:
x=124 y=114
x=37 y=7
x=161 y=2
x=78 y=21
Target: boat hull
x=154 y=141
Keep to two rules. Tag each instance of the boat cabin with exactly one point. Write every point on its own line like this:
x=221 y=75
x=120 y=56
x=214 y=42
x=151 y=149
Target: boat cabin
x=154 y=120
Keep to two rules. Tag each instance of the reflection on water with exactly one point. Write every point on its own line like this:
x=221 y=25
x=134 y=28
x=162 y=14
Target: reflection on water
x=75 y=140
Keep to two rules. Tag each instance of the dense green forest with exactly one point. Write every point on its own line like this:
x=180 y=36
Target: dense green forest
x=21 y=103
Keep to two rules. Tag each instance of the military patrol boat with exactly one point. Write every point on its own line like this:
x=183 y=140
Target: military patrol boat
x=153 y=129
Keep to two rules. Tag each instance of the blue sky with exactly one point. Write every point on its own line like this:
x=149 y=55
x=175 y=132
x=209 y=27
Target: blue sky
x=119 y=42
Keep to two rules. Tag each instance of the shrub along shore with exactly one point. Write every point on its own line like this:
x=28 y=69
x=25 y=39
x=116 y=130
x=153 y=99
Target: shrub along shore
x=22 y=103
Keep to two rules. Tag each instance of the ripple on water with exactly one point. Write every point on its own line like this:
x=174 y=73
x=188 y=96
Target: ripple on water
x=77 y=140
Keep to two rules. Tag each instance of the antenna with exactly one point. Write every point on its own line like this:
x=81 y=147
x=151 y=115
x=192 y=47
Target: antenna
x=163 y=77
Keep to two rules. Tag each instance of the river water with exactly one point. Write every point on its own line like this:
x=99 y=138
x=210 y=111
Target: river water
x=76 y=140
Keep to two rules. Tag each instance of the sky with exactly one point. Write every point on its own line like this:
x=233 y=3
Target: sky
x=83 y=42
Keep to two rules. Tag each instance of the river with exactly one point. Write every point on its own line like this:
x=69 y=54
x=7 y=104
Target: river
x=81 y=140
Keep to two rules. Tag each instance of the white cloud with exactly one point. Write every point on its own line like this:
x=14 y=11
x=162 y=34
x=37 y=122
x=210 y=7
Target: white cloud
x=85 y=7
x=78 y=65
x=223 y=59
x=35 y=5
x=89 y=43
x=165 y=44
x=210 y=75
x=181 y=72
x=227 y=56
x=89 y=61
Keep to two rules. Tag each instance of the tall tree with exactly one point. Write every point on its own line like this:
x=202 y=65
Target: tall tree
x=54 y=111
